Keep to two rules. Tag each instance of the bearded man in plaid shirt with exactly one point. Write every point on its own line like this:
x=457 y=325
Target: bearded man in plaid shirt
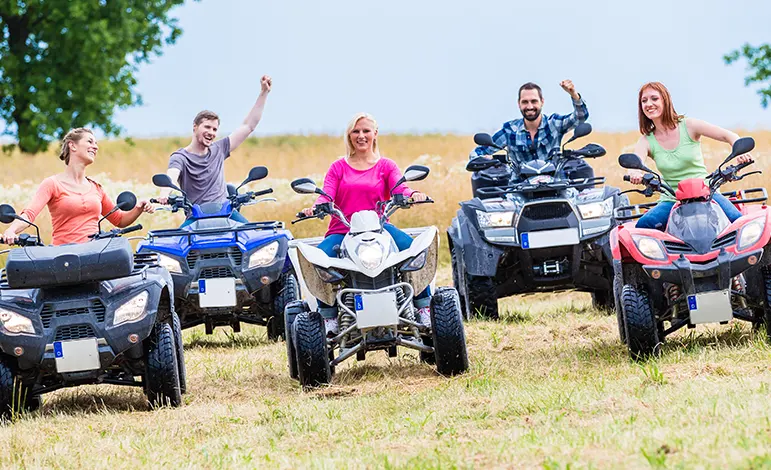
x=535 y=136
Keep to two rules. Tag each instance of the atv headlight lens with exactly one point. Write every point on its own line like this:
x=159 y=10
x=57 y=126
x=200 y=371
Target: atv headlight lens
x=417 y=262
x=495 y=219
x=264 y=255
x=370 y=254
x=751 y=233
x=170 y=264
x=596 y=209
x=650 y=248
x=134 y=309
x=15 y=323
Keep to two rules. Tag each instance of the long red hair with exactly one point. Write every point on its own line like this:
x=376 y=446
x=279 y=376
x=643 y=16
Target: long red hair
x=669 y=116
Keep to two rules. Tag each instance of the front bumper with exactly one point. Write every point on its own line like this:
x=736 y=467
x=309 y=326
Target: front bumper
x=78 y=314
x=711 y=276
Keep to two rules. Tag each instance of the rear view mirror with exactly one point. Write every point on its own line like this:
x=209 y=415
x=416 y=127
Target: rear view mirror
x=305 y=186
x=126 y=200
x=162 y=180
x=416 y=173
x=485 y=140
x=256 y=173
x=631 y=161
x=7 y=213
x=581 y=130
x=232 y=191
x=590 y=151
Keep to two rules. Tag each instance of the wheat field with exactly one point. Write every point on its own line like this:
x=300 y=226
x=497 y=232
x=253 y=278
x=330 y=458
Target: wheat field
x=550 y=386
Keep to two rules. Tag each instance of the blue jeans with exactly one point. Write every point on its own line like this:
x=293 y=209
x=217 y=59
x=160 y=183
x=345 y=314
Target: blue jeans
x=658 y=217
x=402 y=240
x=235 y=215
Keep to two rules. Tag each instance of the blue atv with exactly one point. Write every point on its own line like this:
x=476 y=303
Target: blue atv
x=226 y=272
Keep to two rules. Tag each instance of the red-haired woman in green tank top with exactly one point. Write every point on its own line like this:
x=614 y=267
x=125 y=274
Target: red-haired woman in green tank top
x=672 y=141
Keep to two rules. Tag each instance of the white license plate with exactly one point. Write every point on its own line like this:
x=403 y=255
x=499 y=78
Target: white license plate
x=549 y=238
x=77 y=355
x=373 y=310
x=710 y=307
x=219 y=292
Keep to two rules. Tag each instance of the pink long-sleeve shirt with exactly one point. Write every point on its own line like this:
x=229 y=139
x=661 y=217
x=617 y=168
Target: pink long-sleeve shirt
x=355 y=190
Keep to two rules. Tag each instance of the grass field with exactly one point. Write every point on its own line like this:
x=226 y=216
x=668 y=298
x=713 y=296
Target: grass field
x=550 y=386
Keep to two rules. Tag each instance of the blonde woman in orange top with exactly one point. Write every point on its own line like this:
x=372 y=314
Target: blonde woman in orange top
x=75 y=201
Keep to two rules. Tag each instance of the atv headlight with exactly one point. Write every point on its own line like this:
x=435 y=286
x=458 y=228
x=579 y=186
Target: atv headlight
x=751 y=233
x=495 y=219
x=650 y=248
x=370 y=254
x=134 y=309
x=15 y=323
x=596 y=209
x=264 y=255
x=417 y=262
x=170 y=264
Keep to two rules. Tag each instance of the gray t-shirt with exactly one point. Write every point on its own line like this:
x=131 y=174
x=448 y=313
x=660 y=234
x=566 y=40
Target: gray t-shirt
x=203 y=177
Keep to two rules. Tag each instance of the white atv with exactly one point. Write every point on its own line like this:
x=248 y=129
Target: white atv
x=372 y=284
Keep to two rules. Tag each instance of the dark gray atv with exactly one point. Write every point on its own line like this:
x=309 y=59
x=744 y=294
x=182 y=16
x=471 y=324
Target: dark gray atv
x=533 y=228
x=86 y=313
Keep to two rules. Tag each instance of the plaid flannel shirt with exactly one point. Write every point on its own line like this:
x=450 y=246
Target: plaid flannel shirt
x=522 y=148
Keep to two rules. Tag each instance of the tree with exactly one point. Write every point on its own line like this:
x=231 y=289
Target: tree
x=759 y=63
x=71 y=63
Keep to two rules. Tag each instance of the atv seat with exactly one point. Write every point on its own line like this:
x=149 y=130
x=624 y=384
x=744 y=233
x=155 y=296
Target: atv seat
x=46 y=266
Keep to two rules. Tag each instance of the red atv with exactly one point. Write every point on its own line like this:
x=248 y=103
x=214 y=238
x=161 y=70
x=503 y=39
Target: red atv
x=702 y=269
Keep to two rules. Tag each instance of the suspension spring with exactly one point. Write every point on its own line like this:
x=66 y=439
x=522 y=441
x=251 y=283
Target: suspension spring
x=673 y=293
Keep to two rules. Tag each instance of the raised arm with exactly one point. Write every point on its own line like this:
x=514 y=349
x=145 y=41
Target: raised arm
x=253 y=118
x=580 y=112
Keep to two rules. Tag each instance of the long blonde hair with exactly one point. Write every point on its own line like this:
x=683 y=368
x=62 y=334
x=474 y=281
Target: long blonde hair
x=74 y=135
x=349 y=148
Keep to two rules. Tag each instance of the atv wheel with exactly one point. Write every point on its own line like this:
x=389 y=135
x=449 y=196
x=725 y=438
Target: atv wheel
x=162 y=369
x=617 y=288
x=290 y=314
x=447 y=332
x=288 y=291
x=310 y=344
x=482 y=297
x=458 y=274
x=642 y=333
x=13 y=394
x=603 y=301
x=767 y=311
x=428 y=358
x=176 y=326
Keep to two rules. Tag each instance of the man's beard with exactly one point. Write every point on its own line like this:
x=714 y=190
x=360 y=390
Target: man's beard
x=533 y=117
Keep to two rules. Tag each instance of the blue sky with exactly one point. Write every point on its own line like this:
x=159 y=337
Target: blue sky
x=446 y=66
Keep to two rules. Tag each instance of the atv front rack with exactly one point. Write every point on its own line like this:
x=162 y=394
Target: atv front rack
x=557 y=185
x=737 y=197
x=176 y=232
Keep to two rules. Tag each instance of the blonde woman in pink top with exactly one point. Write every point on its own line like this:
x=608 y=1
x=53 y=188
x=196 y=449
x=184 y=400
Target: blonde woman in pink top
x=75 y=201
x=358 y=182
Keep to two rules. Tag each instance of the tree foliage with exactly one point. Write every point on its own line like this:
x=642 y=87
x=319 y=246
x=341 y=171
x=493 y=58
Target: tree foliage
x=71 y=63
x=759 y=66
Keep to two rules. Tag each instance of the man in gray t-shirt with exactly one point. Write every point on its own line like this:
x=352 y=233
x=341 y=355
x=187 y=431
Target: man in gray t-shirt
x=199 y=168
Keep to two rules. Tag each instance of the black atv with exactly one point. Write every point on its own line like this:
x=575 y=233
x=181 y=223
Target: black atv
x=533 y=228
x=86 y=313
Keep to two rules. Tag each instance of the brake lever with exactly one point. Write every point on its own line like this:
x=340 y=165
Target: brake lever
x=741 y=177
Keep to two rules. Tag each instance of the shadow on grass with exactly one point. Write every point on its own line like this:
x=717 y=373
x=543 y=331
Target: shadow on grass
x=73 y=402
x=229 y=341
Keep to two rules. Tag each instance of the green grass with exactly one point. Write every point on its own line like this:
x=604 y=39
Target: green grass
x=550 y=386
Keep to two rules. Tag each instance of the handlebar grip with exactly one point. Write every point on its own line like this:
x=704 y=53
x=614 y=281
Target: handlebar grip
x=627 y=178
x=133 y=228
x=263 y=192
x=154 y=201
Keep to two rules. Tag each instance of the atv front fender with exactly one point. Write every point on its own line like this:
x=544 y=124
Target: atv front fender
x=479 y=257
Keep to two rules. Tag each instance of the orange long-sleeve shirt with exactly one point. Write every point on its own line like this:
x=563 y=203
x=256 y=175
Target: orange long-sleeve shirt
x=74 y=215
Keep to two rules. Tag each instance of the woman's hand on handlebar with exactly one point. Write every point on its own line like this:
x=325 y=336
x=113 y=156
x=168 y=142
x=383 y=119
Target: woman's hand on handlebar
x=307 y=212
x=9 y=237
x=635 y=176
x=417 y=196
x=746 y=158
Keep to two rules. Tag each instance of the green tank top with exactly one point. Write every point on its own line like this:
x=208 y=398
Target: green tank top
x=683 y=162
